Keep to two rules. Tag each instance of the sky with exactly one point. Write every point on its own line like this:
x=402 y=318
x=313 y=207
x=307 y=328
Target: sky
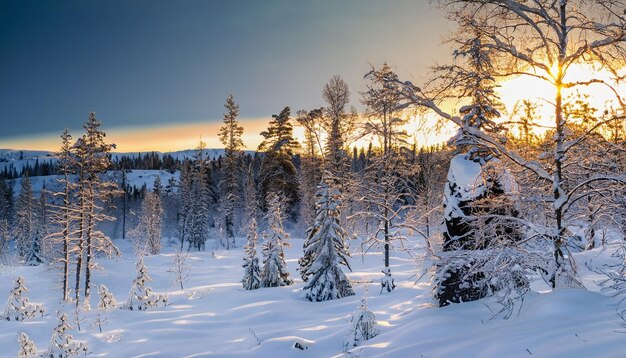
x=157 y=73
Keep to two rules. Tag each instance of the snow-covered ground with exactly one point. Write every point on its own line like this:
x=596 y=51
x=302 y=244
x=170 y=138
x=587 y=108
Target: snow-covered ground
x=214 y=316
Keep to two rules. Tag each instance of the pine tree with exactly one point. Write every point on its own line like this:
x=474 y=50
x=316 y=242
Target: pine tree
x=274 y=272
x=27 y=347
x=92 y=160
x=325 y=249
x=252 y=274
x=62 y=344
x=230 y=136
x=278 y=173
x=18 y=307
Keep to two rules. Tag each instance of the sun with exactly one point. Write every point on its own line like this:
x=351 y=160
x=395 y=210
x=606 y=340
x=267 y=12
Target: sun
x=542 y=93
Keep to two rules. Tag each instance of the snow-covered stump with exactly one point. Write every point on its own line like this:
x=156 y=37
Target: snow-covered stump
x=363 y=326
x=387 y=283
x=141 y=296
x=27 y=347
x=325 y=249
x=62 y=344
x=18 y=307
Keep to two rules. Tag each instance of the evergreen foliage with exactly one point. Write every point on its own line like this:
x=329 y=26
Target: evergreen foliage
x=325 y=249
x=274 y=272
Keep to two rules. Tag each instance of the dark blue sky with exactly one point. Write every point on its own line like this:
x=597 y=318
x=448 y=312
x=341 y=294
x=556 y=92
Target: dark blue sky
x=163 y=62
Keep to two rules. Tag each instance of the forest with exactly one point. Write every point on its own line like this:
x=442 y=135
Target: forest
x=521 y=209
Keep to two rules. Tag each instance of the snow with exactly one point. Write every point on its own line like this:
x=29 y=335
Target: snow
x=215 y=316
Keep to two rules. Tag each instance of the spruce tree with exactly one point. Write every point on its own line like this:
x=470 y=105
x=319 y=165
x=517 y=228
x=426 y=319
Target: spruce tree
x=28 y=232
x=325 y=249
x=252 y=274
x=274 y=272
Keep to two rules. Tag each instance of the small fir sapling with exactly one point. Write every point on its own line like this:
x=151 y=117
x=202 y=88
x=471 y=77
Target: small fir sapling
x=18 y=307
x=252 y=273
x=27 y=347
x=363 y=326
x=62 y=344
x=141 y=296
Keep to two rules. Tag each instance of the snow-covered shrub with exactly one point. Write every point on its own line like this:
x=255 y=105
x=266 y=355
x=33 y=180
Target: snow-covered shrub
x=107 y=300
x=62 y=344
x=325 y=249
x=252 y=272
x=18 y=307
x=363 y=326
x=141 y=296
x=27 y=347
x=387 y=283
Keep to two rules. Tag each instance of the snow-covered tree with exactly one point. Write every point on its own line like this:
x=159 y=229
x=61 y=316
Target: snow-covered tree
x=64 y=212
x=141 y=297
x=363 y=326
x=92 y=159
x=199 y=210
x=28 y=233
x=179 y=269
x=325 y=249
x=18 y=306
x=252 y=274
x=147 y=234
x=230 y=136
x=27 y=347
x=106 y=302
x=106 y=299
x=274 y=272
x=62 y=344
